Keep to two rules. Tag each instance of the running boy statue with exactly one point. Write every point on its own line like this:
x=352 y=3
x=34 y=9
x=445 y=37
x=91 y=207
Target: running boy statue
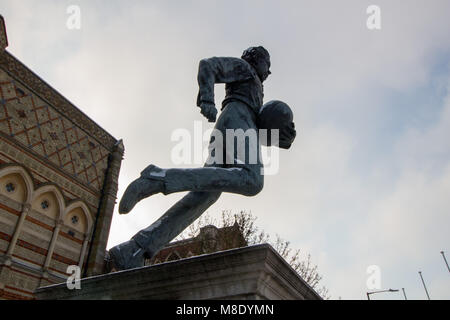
x=241 y=109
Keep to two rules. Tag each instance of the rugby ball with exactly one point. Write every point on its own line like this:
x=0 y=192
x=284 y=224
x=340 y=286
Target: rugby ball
x=277 y=114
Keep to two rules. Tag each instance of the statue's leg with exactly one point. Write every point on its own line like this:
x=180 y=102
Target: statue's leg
x=240 y=170
x=175 y=220
x=240 y=180
x=242 y=175
x=206 y=184
x=147 y=242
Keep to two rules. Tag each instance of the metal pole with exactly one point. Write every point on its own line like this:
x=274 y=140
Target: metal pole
x=404 y=293
x=443 y=255
x=420 y=273
x=369 y=293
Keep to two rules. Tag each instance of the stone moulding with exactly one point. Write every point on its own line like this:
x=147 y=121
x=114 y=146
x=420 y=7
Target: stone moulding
x=254 y=272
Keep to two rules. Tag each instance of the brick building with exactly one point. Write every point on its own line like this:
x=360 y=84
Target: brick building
x=58 y=183
x=210 y=239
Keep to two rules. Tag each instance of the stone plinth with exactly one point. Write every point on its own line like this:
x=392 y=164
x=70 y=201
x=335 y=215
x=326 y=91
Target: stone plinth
x=254 y=272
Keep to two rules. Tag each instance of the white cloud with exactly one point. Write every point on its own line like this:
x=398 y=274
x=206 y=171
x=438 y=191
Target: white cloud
x=411 y=222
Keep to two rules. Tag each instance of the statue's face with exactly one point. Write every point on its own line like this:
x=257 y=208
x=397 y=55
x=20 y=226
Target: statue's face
x=262 y=67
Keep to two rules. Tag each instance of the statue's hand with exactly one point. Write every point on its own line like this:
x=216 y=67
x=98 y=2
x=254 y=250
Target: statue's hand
x=209 y=111
x=287 y=136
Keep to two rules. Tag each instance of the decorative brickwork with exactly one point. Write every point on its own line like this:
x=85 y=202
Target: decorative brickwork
x=44 y=172
x=34 y=124
x=21 y=73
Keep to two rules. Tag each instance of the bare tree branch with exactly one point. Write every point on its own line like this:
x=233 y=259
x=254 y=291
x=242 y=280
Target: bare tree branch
x=251 y=233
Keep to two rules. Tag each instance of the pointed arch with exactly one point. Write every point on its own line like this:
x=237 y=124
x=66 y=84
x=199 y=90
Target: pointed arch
x=11 y=169
x=80 y=207
x=189 y=254
x=174 y=255
x=52 y=191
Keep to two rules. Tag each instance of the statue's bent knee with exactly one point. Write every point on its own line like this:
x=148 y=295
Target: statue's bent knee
x=255 y=184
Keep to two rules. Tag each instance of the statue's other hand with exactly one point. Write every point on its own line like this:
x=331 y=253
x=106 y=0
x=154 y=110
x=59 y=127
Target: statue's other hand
x=209 y=111
x=287 y=136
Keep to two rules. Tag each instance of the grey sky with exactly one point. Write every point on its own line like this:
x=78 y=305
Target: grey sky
x=367 y=181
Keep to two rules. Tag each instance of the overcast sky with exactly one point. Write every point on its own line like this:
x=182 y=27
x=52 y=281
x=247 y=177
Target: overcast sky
x=367 y=181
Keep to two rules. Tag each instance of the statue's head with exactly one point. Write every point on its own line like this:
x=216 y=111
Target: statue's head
x=259 y=59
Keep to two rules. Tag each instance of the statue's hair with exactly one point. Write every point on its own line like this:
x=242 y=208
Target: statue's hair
x=252 y=54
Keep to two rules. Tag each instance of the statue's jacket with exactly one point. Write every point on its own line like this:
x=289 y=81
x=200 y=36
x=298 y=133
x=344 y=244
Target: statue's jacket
x=241 y=82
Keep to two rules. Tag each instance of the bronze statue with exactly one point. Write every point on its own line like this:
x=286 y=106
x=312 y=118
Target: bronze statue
x=241 y=110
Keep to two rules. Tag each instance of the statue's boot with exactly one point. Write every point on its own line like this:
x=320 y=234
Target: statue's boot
x=149 y=183
x=153 y=238
x=127 y=255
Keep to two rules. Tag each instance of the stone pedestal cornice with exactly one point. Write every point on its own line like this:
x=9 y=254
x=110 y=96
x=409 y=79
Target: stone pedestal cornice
x=255 y=272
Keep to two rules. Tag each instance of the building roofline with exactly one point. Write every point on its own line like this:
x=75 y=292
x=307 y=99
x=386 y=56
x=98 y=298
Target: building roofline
x=19 y=71
x=3 y=34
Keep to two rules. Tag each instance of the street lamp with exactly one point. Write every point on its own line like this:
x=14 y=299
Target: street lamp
x=389 y=290
x=426 y=291
x=404 y=294
x=443 y=256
